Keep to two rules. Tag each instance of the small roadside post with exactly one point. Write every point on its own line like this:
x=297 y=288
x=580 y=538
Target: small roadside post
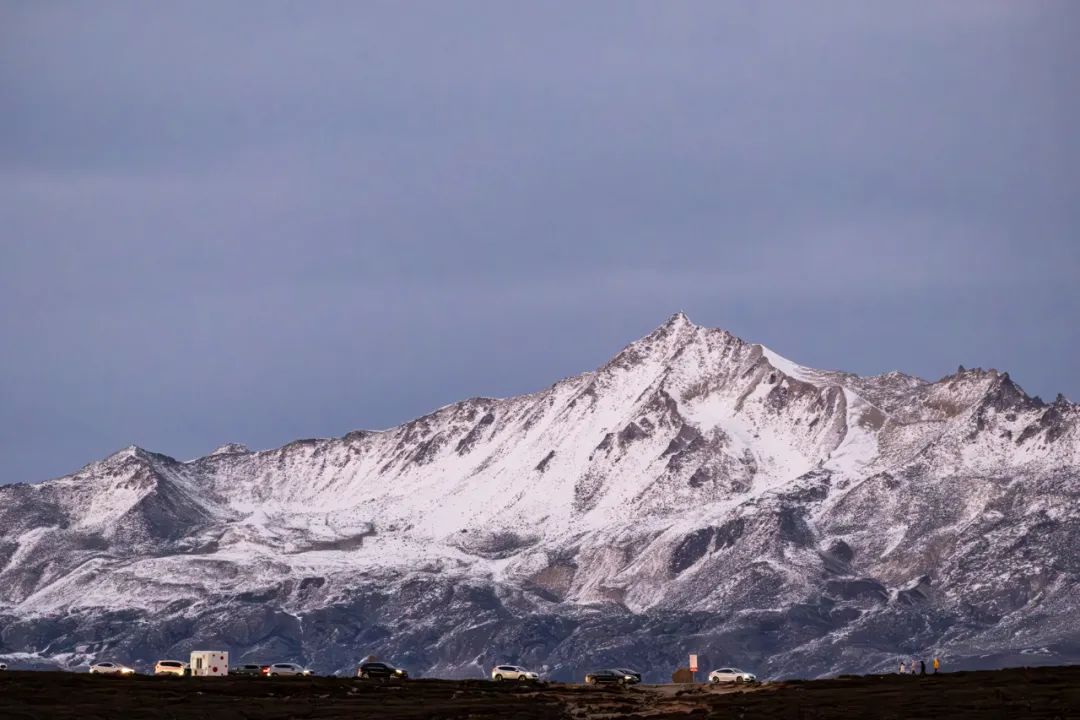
x=693 y=667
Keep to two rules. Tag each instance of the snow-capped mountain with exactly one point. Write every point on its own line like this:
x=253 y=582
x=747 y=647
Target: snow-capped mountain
x=698 y=493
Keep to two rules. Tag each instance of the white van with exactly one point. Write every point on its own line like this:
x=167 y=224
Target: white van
x=209 y=663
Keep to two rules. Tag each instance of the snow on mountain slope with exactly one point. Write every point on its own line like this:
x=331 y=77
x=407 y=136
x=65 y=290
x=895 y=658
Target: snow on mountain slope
x=697 y=491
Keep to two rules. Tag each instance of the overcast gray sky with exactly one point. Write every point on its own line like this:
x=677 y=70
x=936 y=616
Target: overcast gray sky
x=259 y=221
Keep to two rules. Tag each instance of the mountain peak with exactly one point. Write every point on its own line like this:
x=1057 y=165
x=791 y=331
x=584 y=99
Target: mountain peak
x=131 y=451
x=677 y=320
x=230 y=449
x=662 y=343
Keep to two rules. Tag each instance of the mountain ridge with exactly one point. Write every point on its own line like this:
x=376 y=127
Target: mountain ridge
x=799 y=520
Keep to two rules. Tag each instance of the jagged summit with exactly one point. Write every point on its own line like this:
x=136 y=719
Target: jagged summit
x=131 y=453
x=127 y=452
x=676 y=328
x=679 y=319
x=230 y=449
x=828 y=521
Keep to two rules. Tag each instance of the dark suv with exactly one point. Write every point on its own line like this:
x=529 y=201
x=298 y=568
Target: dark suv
x=380 y=671
x=255 y=670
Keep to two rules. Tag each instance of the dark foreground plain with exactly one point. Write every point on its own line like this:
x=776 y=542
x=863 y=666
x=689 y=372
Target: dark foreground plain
x=1005 y=694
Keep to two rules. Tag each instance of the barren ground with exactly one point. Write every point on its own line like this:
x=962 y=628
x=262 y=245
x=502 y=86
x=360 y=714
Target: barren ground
x=1004 y=694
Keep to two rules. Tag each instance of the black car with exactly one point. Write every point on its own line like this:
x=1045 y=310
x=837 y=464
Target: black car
x=630 y=673
x=255 y=670
x=611 y=677
x=380 y=671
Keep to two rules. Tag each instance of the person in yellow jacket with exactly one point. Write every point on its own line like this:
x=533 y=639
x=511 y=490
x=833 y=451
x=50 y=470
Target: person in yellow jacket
x=937 y=664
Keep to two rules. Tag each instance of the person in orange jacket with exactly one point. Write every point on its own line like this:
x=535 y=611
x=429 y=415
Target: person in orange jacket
x=937 y=664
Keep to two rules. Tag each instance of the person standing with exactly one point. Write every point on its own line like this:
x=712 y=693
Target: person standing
x=903 y=669
x=937 y=664
x=922 y=667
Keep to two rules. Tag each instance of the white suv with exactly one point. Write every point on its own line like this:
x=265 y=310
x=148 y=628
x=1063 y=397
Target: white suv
x=731 y=675
x=171 y=667
x=513 y=672
x=286 y=670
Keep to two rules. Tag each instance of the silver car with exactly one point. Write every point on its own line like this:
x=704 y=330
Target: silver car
x=731 y=675
x=287 y=670
x=513 y=672
x=111 y=668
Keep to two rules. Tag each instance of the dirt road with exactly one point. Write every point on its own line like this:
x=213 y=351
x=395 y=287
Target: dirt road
x=1006 y=694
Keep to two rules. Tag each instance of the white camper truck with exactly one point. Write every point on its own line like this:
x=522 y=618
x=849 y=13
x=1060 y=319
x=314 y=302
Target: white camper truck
x=209 y=663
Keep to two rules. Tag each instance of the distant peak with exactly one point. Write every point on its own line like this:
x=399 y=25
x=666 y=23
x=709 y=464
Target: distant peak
x=898 y=375
x=128 y=452
x=679 y=319
x=230 y=449
x=676 y=325
x=664 y=341
x=978 y=373
x=121 y=457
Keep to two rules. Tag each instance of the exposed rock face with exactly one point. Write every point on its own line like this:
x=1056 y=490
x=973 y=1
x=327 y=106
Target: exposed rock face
x=697 y=493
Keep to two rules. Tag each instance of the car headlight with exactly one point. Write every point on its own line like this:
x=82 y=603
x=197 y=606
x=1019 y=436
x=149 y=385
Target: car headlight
x=399 y=672
x=629 y=677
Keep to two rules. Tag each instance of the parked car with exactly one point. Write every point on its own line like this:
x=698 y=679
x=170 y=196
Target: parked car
x=111 y=668
x=285 y=670
x=248 y=669
x=610 y=676
x=171 y=667
x=731 y=675
x=380 y=671
x=513 y=672
x=632 y=673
